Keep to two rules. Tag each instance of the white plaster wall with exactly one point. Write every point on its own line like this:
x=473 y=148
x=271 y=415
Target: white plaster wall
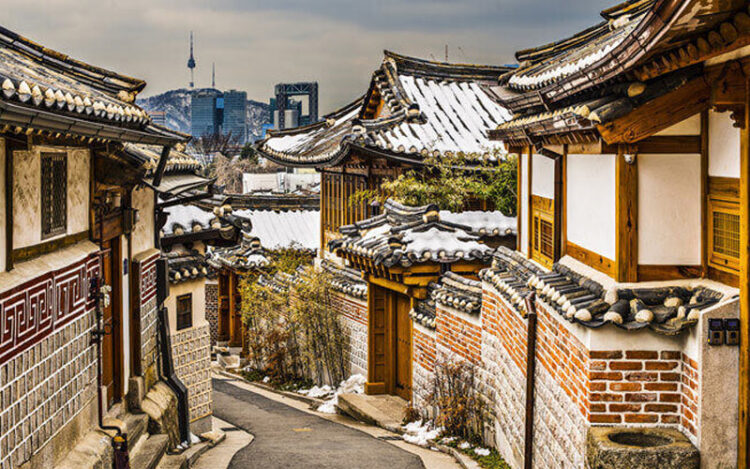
x=543 y=178
x=198 y=289
x=723 y=146
x=143 y=232
x=690 y=126
x=669 y=209
x=524 y=212
x=3 y=220
x=27 y=195
x=591 y=202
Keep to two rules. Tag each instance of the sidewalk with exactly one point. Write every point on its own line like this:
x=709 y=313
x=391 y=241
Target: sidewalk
x=220 y=455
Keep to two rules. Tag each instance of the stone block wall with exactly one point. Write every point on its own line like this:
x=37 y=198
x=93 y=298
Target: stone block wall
x=191 y=352
x=47 y=361
x=353 y=313
x=212 y=309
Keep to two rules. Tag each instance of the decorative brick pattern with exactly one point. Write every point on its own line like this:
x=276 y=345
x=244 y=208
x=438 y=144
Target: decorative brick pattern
x=191 y=352
x=212 y=310
x=354 y=317
x=149 y=316
x=49 y=375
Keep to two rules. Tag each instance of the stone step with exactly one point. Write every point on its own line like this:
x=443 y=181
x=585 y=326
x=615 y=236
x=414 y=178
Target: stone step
x=172 y=461
x=137 y=426
x=148 y=454
x=382 y=410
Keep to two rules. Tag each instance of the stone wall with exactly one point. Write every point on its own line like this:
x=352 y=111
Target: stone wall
x=212 y=309
x=191 y=352
x=354 y=316
x=48 y=371
x=423 y=369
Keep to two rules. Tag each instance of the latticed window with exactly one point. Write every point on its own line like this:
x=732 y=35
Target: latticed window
x=184 y=311
x=54 y=193
x=724 y=234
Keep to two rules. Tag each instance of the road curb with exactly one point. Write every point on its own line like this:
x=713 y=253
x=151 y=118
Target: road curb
x=311 y=401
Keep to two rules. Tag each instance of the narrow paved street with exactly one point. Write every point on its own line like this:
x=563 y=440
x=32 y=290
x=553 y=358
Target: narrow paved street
x=286 y=437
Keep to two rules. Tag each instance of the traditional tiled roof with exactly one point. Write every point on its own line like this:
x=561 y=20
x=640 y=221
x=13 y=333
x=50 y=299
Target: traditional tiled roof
x=245 y=256
x=187 y=222
x=298 y=229
x=185 y=266
x=149 y=155
x=429 y=109
x=424 y=311
x=49 y=92
x=665 y=310
x=345 y=279
x=461 y=293
x=403 y=236
x=280 y=282
x=632 y=33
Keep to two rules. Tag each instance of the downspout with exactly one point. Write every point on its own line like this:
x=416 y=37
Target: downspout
x=530 y=381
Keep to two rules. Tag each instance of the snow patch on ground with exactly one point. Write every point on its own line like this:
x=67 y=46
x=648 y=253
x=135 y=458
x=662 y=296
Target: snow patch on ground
x=317 y=391
x=419 y=433
x=481 y=451
x=354 y=385
x=464 y=445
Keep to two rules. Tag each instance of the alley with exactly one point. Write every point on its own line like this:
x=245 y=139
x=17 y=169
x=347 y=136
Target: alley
x=288 y=437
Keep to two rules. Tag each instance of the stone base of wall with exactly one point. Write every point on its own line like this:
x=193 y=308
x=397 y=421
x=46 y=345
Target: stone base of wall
x=191 y=352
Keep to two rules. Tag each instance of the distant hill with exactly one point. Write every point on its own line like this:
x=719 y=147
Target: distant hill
x=177 y=105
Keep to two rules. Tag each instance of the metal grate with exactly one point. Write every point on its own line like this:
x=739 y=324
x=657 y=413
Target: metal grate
x=54 y=193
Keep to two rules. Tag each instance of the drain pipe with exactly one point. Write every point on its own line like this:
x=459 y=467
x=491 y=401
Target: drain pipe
x=530 y=381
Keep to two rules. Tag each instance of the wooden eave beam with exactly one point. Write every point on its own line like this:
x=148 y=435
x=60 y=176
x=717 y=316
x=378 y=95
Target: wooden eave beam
x=161 y=166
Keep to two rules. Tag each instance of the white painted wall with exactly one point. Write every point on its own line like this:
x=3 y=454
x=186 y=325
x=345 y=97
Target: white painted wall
x=669 y=209
x=591 y=203
x=543 y=179
x=27 y=194
x=524 y=212
x=723 y=146
x=197 y=288
x=690 y=126
x=143 y=231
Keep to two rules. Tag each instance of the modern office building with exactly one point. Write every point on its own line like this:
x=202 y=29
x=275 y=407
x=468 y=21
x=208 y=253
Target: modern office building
x=159 y=117
x=203 y=113
x=235 y=115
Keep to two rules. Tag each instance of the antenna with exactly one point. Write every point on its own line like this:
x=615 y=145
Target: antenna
x=446 y=52
x=191 y=62
x=213 y=75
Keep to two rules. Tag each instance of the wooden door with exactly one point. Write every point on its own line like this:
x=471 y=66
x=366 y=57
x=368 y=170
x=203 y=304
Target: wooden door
x=112 y=349
x=378 y=366
x=402 y=332
x=223 y=332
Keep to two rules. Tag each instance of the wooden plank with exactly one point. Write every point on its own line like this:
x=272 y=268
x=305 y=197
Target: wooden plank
x=728 y=278
x=670 y=144
x=724 y=188
x=30 y=252
x=743 y=434
x=377 y=341
x=658 y=114
x=704 y=193
x=389 y=285
x=557 y=208
x=591 y=259
x=648 y=273
x=626 y=182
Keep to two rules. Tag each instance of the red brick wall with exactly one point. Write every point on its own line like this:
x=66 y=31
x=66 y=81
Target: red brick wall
x=455 y=333
x=690 y=379
x=353 y=309
x=424 y=350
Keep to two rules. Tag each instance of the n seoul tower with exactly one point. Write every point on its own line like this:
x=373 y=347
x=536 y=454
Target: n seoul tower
x=191 y=62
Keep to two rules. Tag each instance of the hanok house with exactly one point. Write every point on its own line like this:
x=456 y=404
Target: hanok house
x=78 y=276
x=264 y=232
x=634 y=191
x=413 y=109
x=185 y=231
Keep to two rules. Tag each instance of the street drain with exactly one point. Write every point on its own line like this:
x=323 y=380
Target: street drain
x=390 y=438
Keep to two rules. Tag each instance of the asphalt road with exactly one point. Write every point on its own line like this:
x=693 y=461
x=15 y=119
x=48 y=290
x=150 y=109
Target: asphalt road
x=289 y=438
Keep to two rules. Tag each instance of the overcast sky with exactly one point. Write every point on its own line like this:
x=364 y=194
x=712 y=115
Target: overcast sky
x=258 y=43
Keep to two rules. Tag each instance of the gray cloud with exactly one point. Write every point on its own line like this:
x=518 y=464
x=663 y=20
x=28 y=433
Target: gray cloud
x=256 y=44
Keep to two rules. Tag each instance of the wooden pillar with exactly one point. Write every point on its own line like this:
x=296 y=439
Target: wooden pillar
x=529 y=218
x=704 y=194
x=323 y=195
x=564 y=202
x=626 y=181
x=519 y=199
x=557 y=207
x=230 y=297
x=743 y=446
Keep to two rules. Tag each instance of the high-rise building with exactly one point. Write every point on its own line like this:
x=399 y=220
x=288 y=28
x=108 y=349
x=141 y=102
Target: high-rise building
x=203 y=113
x=235 y=115
x=159 y=117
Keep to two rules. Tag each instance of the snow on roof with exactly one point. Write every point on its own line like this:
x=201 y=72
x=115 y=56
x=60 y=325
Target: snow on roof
x=187 y=217
x=482 y=223
x=277 y=230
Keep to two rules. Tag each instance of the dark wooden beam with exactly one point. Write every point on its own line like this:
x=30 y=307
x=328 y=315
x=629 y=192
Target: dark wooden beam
x=626 y=183
x=161 y=166
x=650 y=273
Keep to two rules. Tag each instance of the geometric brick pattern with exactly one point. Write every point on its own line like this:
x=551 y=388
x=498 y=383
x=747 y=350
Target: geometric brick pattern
x=212 y=309
x=191 y=352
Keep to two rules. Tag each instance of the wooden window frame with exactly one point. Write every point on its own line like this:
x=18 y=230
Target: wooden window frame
x=51 y=225
x=542 y=210
x=181 y=313
x=716 y=260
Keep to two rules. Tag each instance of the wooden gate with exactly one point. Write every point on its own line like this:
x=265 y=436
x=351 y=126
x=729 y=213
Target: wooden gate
x=390 y=344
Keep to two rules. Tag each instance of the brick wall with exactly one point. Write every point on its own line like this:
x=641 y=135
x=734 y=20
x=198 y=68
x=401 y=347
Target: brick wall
x=212 y=310
x=191 y=353
x=423 y=369
x=690 y=398
x=354 y=317
x=458 y=334
x=47 y=361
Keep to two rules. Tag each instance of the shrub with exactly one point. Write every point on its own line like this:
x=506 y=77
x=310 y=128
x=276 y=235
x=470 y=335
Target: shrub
x=455 y=403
